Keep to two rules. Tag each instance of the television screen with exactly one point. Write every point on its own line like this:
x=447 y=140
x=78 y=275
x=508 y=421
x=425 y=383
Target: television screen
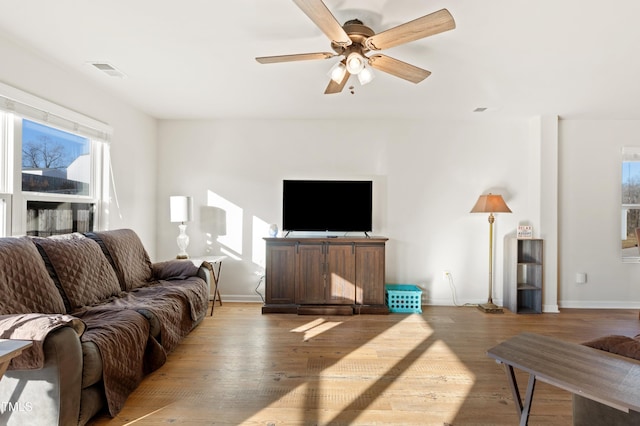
x=327 y=205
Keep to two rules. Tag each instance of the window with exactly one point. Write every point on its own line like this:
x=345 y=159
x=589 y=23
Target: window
x=53 y=168
x=54 y=161
x=630 y=203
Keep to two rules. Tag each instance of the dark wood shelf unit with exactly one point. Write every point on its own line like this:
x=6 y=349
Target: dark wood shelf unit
x=522 y=287
x=331 y=276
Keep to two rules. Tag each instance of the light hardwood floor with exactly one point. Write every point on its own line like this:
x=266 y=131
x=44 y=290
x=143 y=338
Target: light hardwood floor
x=242 y=367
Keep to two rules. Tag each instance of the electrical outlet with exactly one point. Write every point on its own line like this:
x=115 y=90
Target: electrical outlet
x=445 y=275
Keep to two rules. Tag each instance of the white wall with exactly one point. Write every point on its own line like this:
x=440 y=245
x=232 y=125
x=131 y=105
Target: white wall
x=133 y=149
x=427 y=176
x=590 y=180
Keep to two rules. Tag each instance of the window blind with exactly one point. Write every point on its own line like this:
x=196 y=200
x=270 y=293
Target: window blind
x=16 y=101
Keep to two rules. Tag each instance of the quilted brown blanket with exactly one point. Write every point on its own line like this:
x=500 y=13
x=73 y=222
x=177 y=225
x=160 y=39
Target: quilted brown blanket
x=122 y=338
x=122 y=333
x=34 y=327
x=175 y=303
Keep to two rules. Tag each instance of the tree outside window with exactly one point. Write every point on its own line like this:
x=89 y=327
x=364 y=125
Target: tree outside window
x=54 y=161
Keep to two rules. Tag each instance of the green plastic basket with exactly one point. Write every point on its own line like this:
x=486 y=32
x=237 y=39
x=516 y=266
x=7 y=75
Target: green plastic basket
x=403 y=298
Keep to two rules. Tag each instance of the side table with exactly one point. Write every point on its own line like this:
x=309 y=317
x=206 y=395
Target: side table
x=210 y=263
x=10 y=349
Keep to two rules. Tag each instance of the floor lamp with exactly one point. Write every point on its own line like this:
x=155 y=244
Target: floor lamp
x=491 y=204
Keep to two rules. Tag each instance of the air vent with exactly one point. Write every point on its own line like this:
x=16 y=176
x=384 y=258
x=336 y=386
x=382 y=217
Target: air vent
x=480 y=109
x=108 y=69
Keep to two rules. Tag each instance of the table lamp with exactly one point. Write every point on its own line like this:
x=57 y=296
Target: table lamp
x=181 y=209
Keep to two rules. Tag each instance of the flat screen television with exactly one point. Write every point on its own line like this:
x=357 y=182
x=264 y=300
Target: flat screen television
x=327 y=205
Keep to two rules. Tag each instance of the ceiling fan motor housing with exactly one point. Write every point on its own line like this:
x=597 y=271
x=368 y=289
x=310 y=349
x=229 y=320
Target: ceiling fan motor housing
x=358 y=33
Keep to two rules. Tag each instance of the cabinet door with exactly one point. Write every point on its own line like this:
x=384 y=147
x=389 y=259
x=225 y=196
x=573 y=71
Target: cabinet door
x=341 y=274
x=280 y=274
x=370 y=274
x=310 y=274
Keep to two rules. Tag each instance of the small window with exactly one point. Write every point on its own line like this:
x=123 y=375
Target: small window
x=630 y=219
x=54 y=161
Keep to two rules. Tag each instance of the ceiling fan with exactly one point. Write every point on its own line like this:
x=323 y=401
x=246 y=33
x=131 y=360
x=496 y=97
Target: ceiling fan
x=354 y=39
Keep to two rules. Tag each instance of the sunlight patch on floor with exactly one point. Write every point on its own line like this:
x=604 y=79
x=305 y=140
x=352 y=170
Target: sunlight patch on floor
x=142 y=418
x=315 y=328
x=374 y=376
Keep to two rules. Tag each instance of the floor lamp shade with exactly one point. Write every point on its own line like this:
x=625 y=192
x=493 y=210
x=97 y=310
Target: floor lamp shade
x=181 y=210
x=490 y=203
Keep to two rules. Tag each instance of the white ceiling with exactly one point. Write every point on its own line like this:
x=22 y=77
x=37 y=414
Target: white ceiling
x=195 y=58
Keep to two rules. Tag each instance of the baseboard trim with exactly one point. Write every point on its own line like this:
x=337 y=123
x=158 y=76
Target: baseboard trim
x=592 y=304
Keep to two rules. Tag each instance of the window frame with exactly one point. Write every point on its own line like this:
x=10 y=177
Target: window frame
x=630 y=154
x=15 y=106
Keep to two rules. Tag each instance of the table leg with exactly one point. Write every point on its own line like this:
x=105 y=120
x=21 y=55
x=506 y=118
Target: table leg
x=524 y=418
x=3 y=368
x=215 y=276
x=513 y=384
x=523 y=410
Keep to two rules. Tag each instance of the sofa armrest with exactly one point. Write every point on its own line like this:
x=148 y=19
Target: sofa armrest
x=174 y=270
x=34 y=396
x=35 y=327
x=205 y=273
x=178 y=269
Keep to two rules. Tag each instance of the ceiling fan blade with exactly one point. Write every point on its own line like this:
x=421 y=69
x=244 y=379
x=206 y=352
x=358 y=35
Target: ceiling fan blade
x=296 y=57
x=398 y=68
x=426 y=26
x=318 y=12
x=334 y=87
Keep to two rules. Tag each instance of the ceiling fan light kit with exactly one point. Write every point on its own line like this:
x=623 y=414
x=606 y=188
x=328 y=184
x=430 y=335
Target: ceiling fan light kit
x=355 y=63
x=353 y=40
x=338 y=71
x=366 y=76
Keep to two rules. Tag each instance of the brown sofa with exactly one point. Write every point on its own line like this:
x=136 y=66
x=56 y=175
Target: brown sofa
x=100 y=316
x=587 y=412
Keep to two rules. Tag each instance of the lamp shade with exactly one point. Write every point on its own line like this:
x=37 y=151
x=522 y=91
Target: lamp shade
x=181 y=208
x=490 y=203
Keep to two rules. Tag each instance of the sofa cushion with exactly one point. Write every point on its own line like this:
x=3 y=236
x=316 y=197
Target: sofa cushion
x=92 y=401
x=127 y=255
x=81 y=269
x=54 y=277
x=24 y=276
x=91 y=364
x=620 y=345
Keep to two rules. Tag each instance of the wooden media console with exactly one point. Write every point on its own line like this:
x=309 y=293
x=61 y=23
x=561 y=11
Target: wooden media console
x=331 y=276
